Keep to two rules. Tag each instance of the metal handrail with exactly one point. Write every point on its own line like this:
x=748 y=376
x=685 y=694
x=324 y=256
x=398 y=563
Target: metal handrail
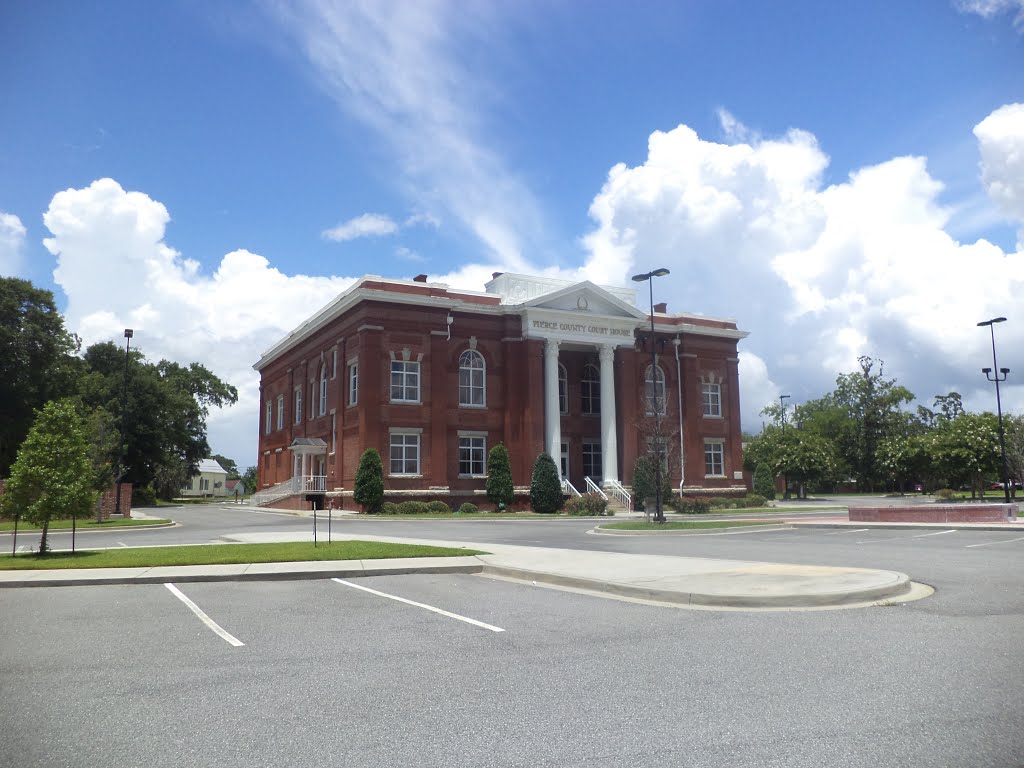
x=568 y=488
x=593 y=487
x=620 y=493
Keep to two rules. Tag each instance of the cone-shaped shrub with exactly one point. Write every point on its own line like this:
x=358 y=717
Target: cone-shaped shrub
x=369 y=488
x=545 y=487
x=499 y=476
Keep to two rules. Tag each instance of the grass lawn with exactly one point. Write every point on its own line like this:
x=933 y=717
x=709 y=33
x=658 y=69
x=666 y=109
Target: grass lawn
x=210 y=554
x=683 y=525
x=66 y=524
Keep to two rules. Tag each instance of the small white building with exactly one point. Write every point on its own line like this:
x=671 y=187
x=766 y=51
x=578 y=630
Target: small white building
x=210 y=480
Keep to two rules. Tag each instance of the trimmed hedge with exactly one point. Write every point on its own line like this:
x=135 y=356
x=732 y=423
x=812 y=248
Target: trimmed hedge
x=466 y=509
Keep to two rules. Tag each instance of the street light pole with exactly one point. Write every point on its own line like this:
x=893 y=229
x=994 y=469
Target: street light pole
x=659 y=516
x=128 y=333
x=999 y=406
x=785 y=476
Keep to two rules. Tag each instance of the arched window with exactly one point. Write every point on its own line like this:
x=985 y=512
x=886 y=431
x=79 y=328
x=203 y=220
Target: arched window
x=563 y=389
x=472 y=379
x=590 y=390
x=654 y=391
x=323 y=390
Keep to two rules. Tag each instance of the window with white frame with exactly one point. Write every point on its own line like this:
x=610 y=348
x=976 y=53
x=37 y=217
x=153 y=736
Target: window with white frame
x=323 y=389
x=405 y=381
x=269 y=419
x=711 y=395
x=472 y=379
x=472 y=455
x=298 y=405
x=654 y=390
x=353 y=383
x=590 y=390
x=563 y=389
x=312 y=400
x=404 y=453
x=280 y=411
x=592 y=459
x=334 y=363
x=714 y=458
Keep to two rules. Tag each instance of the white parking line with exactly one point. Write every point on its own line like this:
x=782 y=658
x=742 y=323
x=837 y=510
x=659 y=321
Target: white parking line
x=1002 y=541
x=421 y=605
x=937 y=533
x=852 y=530
x=224 y=635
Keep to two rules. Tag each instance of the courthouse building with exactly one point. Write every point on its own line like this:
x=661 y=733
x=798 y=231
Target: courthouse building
x=433 y=377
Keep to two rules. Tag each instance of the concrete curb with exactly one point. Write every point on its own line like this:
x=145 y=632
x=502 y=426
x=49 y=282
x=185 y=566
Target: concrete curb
x=900 y=586
x=80 y=531
x=601 y=530
x=255 y=575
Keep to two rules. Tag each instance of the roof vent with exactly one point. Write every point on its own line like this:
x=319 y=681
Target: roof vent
x=420 y=278
x=661 y=307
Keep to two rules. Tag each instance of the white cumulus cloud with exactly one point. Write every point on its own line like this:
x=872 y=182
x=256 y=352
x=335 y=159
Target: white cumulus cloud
x=12 y=244
x=118 y=272
x=1001 y=142
x=991 y=8
x=367 y=225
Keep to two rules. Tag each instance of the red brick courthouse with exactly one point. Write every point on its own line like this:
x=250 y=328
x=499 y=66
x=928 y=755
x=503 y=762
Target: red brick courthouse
x=433 y=377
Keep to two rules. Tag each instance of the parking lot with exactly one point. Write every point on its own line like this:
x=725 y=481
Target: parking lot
x=322 y=672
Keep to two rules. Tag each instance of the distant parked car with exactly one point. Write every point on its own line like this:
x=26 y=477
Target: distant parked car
x=917 y=487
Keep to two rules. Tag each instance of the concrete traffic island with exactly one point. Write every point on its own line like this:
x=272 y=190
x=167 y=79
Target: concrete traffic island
x=692 y=582
x=935 y=513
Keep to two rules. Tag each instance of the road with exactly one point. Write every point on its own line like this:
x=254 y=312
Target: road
x=328 y=674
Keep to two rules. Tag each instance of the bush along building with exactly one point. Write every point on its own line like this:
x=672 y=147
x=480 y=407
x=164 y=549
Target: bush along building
x=433 y=377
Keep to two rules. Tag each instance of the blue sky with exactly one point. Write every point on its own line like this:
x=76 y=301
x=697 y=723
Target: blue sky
x=841 y=178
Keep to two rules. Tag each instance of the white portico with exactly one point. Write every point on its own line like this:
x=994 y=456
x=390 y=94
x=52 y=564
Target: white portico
x=575 y=316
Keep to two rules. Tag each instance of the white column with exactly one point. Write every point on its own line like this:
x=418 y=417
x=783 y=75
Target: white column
x=552 y=413
x=609 y=440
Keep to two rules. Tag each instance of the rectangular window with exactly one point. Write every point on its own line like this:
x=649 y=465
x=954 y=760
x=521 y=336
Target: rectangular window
x=472 y=455
x=334 y=432
x=323 y=390
x=714 y=458
x=405 y=453
x=312 y=400
x=280 y=411
x=269 y=419
x=334 y=363
x=711 y=394
x=353 y=384
x=592 y=460
x=405 y=381
x=298 y=405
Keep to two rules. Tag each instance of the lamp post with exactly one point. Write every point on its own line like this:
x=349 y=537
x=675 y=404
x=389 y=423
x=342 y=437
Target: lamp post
x=1000 y=375
x=128 y=333
x=785 y=476
x=659 y=516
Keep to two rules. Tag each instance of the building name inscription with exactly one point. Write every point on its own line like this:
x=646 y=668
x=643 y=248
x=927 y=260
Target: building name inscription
x=593 y=330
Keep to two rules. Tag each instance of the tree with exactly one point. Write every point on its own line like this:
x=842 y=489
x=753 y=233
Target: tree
x=545 y=487
x=499 y=477
x=1013 y=430
x=804 y=457
x=965 y=448
x=36 y=360
x=644 y=482
x=52 y=476
x=229 y=465
x=165 y=420
x=249 y=480
x=369 y=488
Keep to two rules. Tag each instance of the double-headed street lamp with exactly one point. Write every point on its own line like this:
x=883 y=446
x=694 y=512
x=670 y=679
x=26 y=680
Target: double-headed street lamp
x=998 y=376
x=659 y=516
x=128 y=333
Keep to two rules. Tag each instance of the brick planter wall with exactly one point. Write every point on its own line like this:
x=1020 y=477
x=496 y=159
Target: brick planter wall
x=935 y=513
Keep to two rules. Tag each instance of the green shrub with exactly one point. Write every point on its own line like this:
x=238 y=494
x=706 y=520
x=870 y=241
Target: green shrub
x=466 y=509
x=644 y=486
x=589 y=504
x=412 y=508
x=721 y=502
x=945 y=494
x=545 y=487
x=764 y=484
x=500 y=490
x=387 y=508
x=369 y=487
x=688 y=506
x=753 y=500
x=438 y=507
x=143 y=496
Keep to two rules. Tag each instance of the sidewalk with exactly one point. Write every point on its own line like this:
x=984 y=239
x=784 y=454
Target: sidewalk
x=682 y=581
